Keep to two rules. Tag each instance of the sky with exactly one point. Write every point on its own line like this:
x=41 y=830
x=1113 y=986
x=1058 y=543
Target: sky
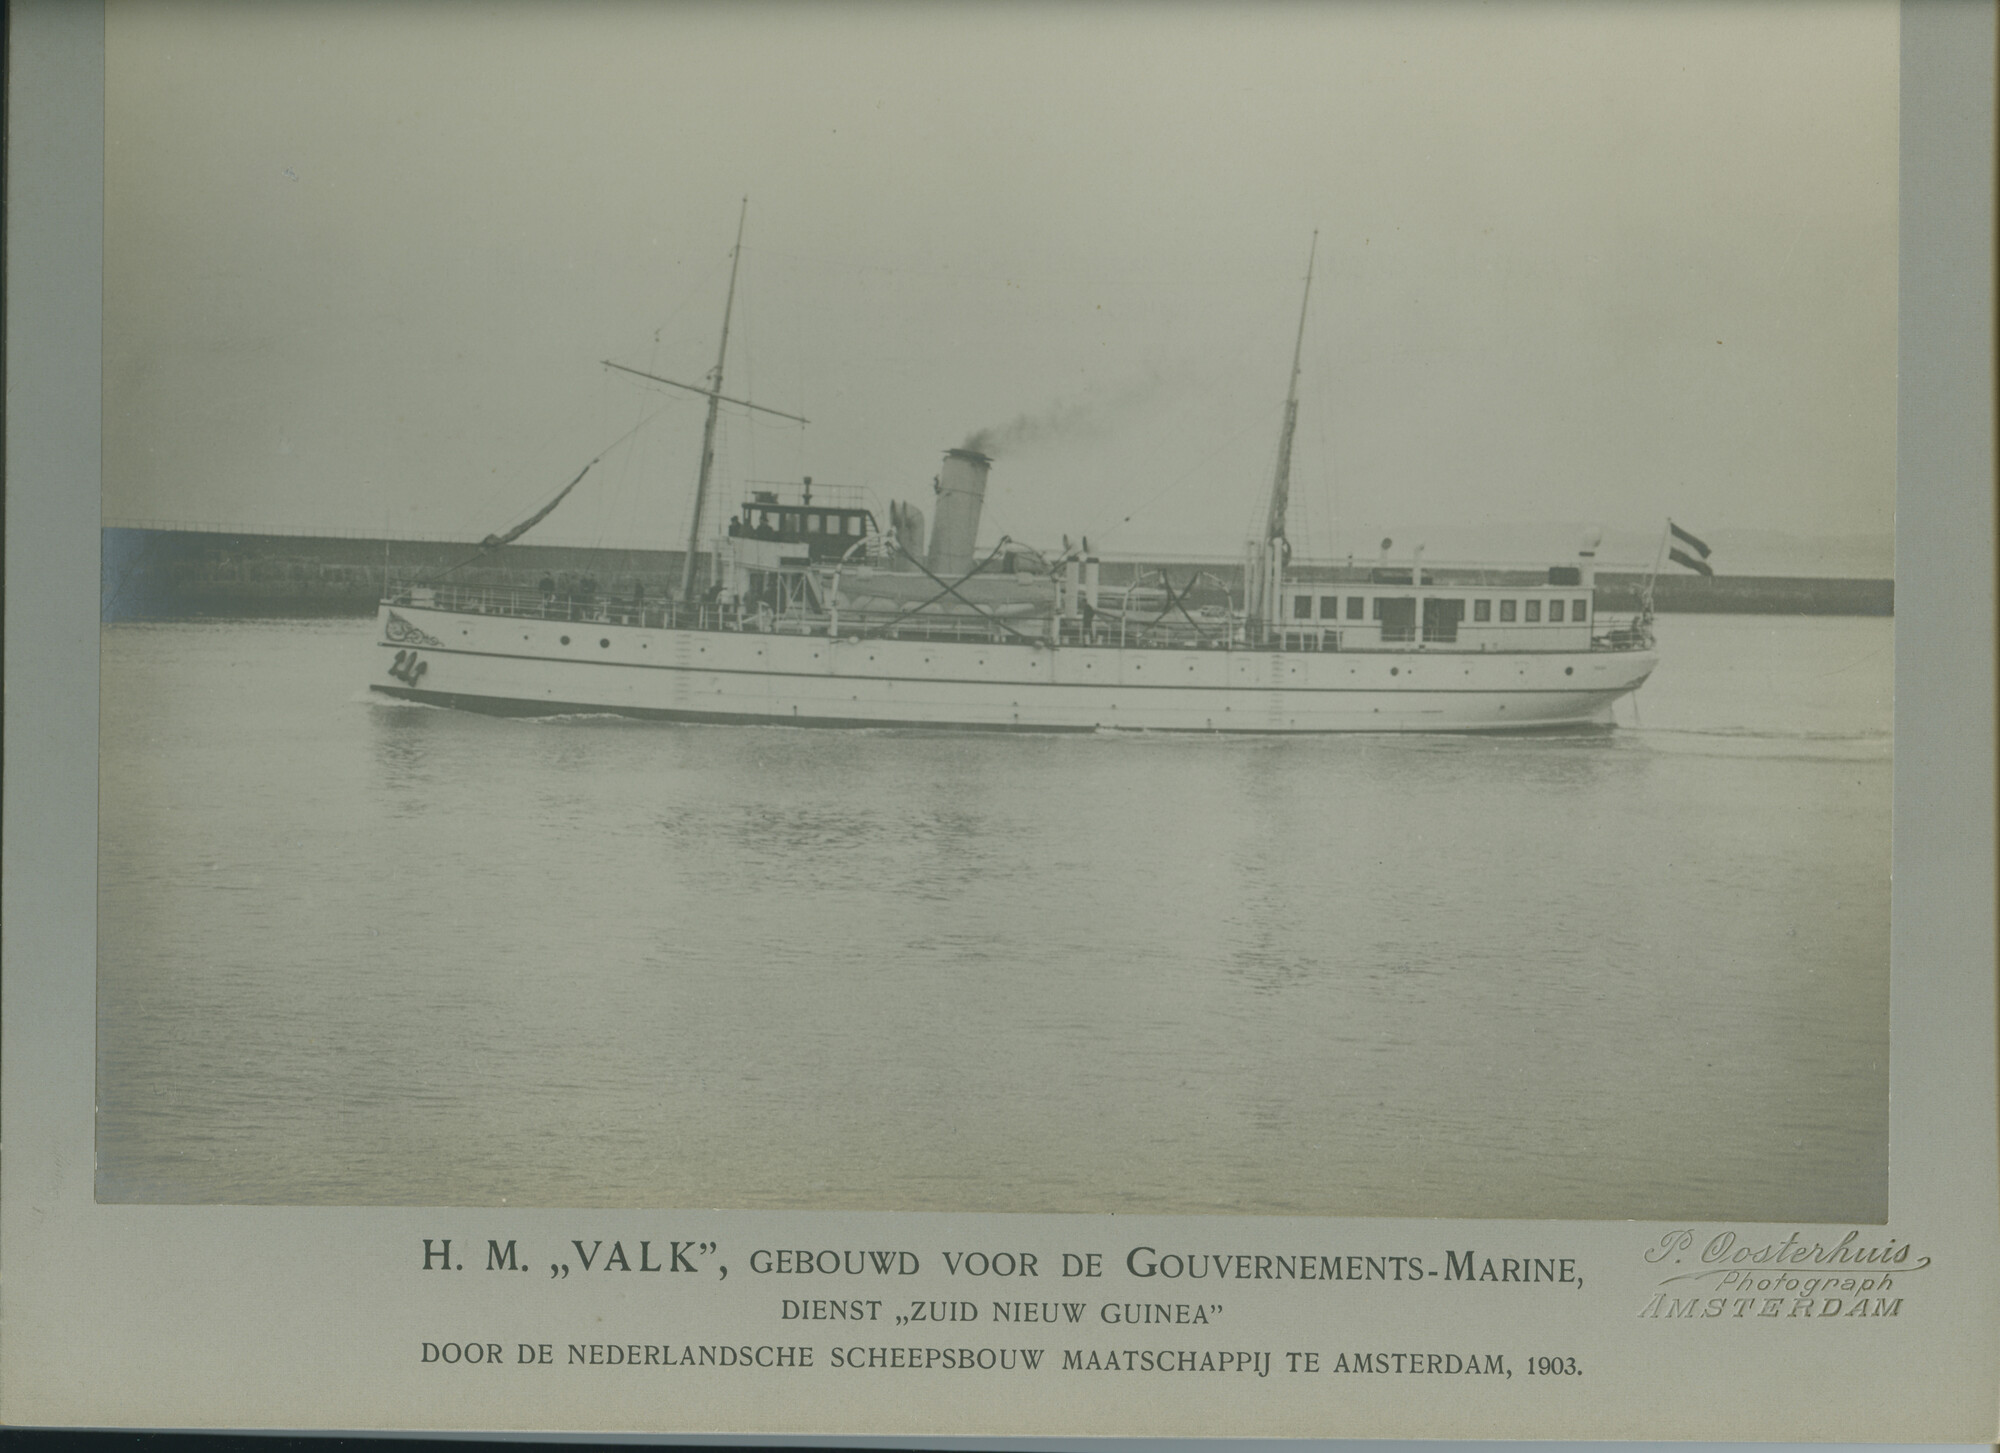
x=1575 y=265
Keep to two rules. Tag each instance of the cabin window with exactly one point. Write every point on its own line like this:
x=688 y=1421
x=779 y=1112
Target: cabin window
x=1482 y=610
x=1534 y=612
x=1329 y=607
x=1302 y=607
x=791 y=526
x=812 y=525
x=1506 y=610
x=1555 y=612
x=1355 y=607
x=854 y=524
x=1580 y=610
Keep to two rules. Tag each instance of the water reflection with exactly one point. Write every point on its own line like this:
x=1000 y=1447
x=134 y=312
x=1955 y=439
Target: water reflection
x=1358 y=975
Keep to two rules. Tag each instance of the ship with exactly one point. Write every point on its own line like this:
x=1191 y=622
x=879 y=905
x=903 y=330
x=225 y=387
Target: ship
x=815 y=607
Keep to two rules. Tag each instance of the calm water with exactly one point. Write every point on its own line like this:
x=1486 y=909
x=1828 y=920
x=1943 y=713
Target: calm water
x=361 y=953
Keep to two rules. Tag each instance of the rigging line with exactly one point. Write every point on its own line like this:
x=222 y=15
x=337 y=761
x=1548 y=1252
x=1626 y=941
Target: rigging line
x=1331 y=484
x=707 y=393
x=494 y=542
x=696 y=291
x=1180 y=600
x=951 y=588
x=1251 y=340
x=623 y=480
x=748 y=353
x=1182 y=478
x=619 y=494
x=497 y=499
x=687 y=300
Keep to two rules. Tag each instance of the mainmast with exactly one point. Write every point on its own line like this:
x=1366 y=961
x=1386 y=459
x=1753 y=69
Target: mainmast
x=714 y=407
x=1273 y=548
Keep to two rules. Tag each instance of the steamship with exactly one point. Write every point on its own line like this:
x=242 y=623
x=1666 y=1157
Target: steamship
x=808 y=609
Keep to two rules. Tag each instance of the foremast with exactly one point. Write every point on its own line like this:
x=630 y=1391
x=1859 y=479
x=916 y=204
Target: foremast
x=716 y=399
x=1268 y=565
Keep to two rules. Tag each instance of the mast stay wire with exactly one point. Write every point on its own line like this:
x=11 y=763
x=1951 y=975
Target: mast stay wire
x=488 y=506
x=500 y=498
x=620 y=490
x=700 y=288
x=1104 y=532
x=1252 y=339
x=1329 y=471
x=1330 y=484
x=620 y=482
x=495 y=540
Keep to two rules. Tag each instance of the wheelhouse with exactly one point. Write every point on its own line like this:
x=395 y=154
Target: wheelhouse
x=828 y=528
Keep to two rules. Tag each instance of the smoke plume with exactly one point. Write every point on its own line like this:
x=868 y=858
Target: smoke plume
x=1064 y=420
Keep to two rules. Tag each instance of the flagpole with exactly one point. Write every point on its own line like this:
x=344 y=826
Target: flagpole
x=1659 y=559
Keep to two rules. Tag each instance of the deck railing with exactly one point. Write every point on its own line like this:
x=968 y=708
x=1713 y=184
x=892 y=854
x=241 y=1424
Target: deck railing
x=1609 y=633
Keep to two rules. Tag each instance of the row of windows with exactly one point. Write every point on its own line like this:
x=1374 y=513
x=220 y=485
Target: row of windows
x=1482 y=610
x=789 y=522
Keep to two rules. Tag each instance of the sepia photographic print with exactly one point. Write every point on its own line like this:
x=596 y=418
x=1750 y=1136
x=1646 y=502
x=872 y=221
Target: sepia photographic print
x=1116 y=665
x=1364 y=822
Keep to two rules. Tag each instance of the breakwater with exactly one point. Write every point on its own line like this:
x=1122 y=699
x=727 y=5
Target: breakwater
x=157 y=574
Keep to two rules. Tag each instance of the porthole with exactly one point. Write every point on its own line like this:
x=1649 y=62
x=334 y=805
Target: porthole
x=605 y=642
x=1569 y=670
x=1395 y=670
x=565 y=640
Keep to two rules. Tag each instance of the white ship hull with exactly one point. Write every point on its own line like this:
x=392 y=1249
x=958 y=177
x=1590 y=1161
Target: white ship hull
x=526 y=666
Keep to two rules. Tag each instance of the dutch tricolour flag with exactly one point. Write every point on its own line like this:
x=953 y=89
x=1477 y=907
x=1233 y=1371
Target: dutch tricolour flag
x=1696 y=561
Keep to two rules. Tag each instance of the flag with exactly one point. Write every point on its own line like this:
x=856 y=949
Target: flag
x=1696 y=561
x=1686 y=539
